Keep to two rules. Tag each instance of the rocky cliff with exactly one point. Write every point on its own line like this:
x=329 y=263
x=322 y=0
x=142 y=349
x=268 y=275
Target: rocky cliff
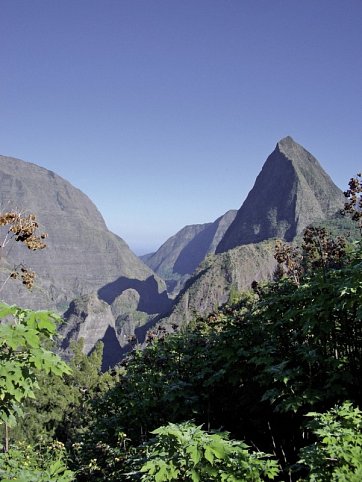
x=82 y=255
x=291 y=191
x=91 y=319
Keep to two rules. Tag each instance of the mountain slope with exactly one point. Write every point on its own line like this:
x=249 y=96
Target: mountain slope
x=291 y=191
x=218 y=276
x=82 y=256
x=181 y=254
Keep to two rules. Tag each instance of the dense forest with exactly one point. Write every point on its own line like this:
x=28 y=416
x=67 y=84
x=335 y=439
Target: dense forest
x=267 y=387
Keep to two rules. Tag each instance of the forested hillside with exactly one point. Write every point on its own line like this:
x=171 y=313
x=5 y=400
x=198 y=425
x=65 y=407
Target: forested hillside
x=264 y=388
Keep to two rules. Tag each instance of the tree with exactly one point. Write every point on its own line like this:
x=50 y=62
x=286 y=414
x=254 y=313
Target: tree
x=353 y=205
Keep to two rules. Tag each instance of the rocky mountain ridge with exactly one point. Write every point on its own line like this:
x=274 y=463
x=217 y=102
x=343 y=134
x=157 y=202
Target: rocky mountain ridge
x=291 y=192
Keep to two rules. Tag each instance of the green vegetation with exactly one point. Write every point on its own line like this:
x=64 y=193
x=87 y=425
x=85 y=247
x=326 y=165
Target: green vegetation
x=186 y=452
x=275 y=372
x=35 y=463
x=337 y=454
x=22 y=355
x=22 y=359
x=256 y=369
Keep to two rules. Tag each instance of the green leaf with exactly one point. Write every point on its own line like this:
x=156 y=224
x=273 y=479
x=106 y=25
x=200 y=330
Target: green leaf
x=161 y=475
x=47 y=325
x=209 y=455
x=194 y=453
x=6 y=310
x=194 y=476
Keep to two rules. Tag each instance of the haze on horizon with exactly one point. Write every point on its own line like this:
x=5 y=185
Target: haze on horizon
x=163 y=113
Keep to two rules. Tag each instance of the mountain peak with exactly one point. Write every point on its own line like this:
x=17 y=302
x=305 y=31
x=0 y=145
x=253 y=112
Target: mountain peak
x=291 y=191
x=286 y=141
x=294 y=151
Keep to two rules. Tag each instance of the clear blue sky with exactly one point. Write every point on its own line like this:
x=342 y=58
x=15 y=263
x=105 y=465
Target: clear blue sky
x=163 y=111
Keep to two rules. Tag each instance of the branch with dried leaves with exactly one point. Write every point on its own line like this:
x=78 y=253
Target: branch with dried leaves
x=21 y=228
x=353 y=205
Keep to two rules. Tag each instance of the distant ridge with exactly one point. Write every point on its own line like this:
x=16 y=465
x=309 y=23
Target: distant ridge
x=181 y=254
x=291 y=191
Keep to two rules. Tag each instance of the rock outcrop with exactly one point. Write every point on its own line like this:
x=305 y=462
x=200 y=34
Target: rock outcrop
x=91 y=319
x=291 y=191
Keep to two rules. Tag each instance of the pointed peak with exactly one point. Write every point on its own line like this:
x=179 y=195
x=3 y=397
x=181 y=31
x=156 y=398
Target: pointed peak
x=292 y=150
x=287 y=141
x=291 y=191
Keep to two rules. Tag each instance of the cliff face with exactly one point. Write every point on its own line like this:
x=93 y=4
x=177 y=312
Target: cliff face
x=163 y=260
x=291 y=191
x=91 y=319
x=82 y=256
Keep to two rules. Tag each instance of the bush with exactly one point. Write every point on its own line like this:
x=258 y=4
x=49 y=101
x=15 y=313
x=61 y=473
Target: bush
x=186 y=452
x=27 y=463
x=337 y=455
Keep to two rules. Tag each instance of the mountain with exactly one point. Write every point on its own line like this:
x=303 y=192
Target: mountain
x=82 y=255
x=291 y=191
x=105 y=292
x=181 y=254
x=218 y=276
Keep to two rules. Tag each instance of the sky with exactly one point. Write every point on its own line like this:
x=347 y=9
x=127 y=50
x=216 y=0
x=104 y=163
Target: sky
x=164 y=111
